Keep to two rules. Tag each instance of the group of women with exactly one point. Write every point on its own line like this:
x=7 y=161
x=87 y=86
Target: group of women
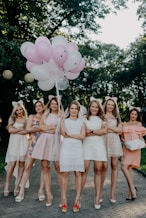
x=71 y=143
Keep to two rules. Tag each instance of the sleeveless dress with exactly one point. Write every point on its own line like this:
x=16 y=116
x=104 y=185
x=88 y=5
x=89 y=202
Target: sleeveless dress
x=17 y=147
x=48 y=145
x=33 y=137
x=131 y=132
x=114 y=145
x=94 y=146
x=71 y=155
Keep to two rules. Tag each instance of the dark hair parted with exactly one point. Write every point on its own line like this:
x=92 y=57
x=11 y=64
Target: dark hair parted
x=138 y=114
x=100 y=113
x=34 y=106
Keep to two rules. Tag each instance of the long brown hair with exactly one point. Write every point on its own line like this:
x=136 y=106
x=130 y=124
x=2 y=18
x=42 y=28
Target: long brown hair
x=100 y=113
x=115 y=111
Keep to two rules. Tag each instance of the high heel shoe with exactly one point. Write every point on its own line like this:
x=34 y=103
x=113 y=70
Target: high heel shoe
x=113 y=201
x=19 y=197
x=64 y=206
x=134 y=196
x=16 y=193
x=41 y=196
x=6 y=193
x=50 y=199
x=76 y=206
x=97 y=206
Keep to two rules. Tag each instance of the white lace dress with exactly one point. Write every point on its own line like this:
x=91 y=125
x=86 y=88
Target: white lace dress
x=17 y=147
x=94 y=146
x=71 y=155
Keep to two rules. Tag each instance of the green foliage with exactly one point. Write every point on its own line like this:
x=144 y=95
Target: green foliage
x=2 y=164
x=143 y=160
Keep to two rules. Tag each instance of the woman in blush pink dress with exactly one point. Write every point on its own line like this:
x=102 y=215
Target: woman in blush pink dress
x=34 y=133
x=113 y=142
x=133 y=129
x=47 y=148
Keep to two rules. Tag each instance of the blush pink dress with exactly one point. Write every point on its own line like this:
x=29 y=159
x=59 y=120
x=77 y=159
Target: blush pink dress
x=48 y=145
x=131 y=132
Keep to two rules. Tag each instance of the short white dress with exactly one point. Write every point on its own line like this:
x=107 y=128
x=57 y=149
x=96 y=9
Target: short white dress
x=71 y=155
x=17 y=147
x=114 y=145
x=94 y=146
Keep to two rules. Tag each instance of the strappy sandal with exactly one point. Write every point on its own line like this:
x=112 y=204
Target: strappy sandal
x=77 y=206
x=64 y=206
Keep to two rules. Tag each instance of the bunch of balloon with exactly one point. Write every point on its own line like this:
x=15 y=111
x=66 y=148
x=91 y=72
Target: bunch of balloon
x=53 y=62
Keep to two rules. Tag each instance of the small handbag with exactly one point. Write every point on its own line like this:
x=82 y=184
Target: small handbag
x=135 y=144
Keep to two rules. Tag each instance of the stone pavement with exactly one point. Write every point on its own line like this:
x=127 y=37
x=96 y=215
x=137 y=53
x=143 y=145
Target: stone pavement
x=30 y=207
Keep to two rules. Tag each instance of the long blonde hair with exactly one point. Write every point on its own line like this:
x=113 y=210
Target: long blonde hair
x=13 y=115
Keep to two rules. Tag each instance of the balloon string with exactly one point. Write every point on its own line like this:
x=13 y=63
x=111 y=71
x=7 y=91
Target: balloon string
x=57 y=92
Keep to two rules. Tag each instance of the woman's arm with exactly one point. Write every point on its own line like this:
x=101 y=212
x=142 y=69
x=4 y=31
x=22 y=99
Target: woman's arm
x=101 y=131
x=29 y=126
x=13 y=130
x=112 y=129
x=79 y=136
x=45 y=128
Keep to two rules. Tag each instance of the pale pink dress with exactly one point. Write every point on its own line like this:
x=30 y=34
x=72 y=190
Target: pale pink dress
x=48 y=145
x=131 y=132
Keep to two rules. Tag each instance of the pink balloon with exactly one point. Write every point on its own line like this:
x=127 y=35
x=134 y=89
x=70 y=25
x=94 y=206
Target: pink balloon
x=72 y=46
x=79 y=68
x=42 y=39
x=29 y=65
x=60 y=54
x=73 y=60
x=32 y=55
x=44 y=50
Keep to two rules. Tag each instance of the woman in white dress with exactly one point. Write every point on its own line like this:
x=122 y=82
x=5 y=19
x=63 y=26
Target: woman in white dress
x=17 y=147
x=114 y=146
x=71 y=155
x=94 y=146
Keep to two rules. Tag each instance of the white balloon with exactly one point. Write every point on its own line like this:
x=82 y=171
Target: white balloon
x=59 y=40
x=73 y=60
x=46 y=85
x=39 y=72
x=72 y=76
x=62 y=84
x=24 y=46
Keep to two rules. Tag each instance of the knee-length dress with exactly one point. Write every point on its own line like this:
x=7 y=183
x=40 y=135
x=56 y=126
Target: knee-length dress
x=71 y=155
x=131 y=132
x=114 y=145
x=48 y=145
x=33 y=137
x=18 y=144
x=94 y=146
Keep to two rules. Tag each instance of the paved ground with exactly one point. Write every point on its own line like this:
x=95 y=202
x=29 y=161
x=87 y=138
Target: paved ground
x=32 y=208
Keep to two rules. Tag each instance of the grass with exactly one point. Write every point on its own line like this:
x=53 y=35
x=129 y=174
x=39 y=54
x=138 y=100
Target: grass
x=143 y=160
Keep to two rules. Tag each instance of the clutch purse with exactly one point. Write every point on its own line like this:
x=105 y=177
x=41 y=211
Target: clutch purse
x=135 y=144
